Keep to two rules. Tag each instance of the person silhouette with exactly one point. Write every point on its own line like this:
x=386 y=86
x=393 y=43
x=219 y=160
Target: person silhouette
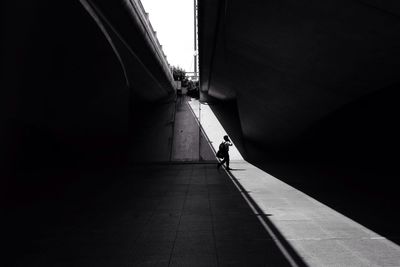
x=224 y=150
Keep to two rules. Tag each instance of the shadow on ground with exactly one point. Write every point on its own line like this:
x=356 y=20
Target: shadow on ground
x=347 y=162
x=149 y=215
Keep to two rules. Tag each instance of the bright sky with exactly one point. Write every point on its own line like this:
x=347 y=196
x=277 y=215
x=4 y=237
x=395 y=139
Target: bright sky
x=173 y=22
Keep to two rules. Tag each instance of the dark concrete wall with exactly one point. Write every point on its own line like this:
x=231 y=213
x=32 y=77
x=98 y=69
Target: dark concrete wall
x=58 y=96
x=308 y=79
x=70 y=84
x=309 y=90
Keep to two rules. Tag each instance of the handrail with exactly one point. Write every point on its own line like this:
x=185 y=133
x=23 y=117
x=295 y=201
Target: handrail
x=144 y=18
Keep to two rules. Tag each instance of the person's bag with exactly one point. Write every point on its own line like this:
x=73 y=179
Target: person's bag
x=220 y=153
x=222 y=147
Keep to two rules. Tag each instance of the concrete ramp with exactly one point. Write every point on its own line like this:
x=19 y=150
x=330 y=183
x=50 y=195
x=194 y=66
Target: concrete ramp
x=189 y=143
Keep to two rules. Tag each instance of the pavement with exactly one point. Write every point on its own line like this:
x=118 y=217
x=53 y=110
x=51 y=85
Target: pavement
x=316 y=233
x=319 y=235
x=189 y=142
x=150 y=215
x=189 y=213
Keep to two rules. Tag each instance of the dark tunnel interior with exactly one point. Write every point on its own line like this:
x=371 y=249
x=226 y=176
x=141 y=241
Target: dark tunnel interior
x=86 y=97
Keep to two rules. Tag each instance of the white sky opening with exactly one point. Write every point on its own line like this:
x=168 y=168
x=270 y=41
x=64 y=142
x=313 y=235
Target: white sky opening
x=173 y=20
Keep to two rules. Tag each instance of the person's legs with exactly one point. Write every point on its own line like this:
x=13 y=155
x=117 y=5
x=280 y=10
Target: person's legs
x=221 y=162
x=226 y=160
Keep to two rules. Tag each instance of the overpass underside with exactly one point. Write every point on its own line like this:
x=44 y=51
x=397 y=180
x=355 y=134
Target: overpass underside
x=102 y=165
x=309 y=93
x=320 y=77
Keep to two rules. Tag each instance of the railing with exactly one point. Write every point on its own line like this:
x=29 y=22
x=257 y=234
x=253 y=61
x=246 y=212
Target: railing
x=144 y=17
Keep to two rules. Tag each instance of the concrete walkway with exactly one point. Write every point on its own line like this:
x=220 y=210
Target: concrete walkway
x=150 y=215
x=188 y=214
x=189 y=143
x=318 y=234
x=182 y=213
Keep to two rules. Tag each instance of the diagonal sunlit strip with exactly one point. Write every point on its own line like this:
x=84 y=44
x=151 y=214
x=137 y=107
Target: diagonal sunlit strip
x=212 y=127
x=319 y=235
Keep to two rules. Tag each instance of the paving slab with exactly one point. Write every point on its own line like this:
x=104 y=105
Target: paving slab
x=152 y=215
x=318 y=234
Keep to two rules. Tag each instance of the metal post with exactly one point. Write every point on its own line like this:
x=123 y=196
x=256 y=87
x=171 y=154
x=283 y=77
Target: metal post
x=195 y=68
x=195 y=36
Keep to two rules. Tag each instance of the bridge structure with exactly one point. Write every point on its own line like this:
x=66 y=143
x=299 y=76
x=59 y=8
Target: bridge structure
x=102 y=164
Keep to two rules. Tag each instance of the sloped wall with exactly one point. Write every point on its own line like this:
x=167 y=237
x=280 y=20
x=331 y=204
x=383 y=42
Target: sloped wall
x=71 y=88
x=293 y=67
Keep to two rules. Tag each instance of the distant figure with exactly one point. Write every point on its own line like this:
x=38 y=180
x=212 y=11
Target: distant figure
x=223 y=152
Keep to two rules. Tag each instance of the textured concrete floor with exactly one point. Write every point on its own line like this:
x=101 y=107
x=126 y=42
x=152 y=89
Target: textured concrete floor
x=189 y=143
x=187 y=214
x=320 y=235
x=153 y=215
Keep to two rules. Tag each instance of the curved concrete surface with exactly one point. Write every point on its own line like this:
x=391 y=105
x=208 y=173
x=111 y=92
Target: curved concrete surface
x=309 y=92
x=305 y=72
